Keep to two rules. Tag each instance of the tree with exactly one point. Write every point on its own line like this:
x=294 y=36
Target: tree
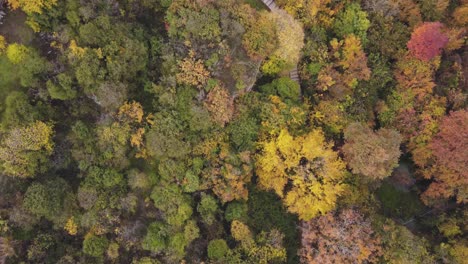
x=63 y=89
x=95 y=245
x=448 y=167
x=427 y=41
x=192 y=72
x=228 y=172
x=290 y=42
x=347 y=68
x=208 y=208
x=372 y=154
x=260 y=39
x=217 y=249
x=267 y=247
x=341 y=237
x=24 y=150
x=18 y=110
x=17 y=53
x=219 y=104
x=352 y=20
x=284 y=87
x=306 y=163
x=193 y=20
x=46 y=200
x=3 y=44
x=110 y=96
x=400 y=245
x=32 y=6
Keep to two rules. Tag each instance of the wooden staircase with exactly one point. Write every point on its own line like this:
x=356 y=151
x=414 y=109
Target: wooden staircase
x=294 y=75
x=270 y=4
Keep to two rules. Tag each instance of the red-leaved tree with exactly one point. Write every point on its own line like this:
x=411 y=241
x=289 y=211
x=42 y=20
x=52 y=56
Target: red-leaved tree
x=449 y=168
x=427 y=41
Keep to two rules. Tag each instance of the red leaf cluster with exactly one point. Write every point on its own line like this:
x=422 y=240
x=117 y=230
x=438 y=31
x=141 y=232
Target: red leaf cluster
x=427 y=41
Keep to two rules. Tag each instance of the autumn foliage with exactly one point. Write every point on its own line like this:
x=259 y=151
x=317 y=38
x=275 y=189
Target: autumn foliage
x=449 y=169
x=343 y=237
x=372 y=154
x=427 y=41
x=307 y=163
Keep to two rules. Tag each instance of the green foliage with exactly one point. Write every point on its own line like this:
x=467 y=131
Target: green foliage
x=285 y=88
x=18 y=110
x=402 y=246
x=45 y=200
x=173 y=202
x=352 y=20
x=95 y=245
x=266 y=212
x=82 y=162
x=236 y=211
x=398 y=203
x=244 y=132
x=217 y=249
x=187 y=23
x=208 y=208
x=156 y=238
x=63 y=89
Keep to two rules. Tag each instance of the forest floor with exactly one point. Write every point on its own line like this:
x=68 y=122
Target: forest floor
x=14 y=28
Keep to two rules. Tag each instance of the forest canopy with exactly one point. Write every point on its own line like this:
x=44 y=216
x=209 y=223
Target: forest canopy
x=233 y=131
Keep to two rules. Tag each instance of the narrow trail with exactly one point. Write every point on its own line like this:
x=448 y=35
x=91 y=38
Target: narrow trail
x=293 y=74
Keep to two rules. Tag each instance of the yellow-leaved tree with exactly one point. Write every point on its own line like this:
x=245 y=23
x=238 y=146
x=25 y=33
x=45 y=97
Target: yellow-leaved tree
x=25 y=150
x=32 y=6
x=308 y=165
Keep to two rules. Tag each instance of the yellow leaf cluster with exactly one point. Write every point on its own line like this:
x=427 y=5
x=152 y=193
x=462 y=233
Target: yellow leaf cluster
x=19 y=145
x=75 y=50
x=311 y=167
x=192 y=72
x=32 y=6
x=290 y=38
x=132 y=111
x=71 y=227
x=2 y=44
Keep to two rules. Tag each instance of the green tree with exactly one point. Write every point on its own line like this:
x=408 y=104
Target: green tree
x=284 y=87
x=217 y=249
x=63 y=89
x=46 y=200
x=352 y=20
x=95 y=245
x=208 y=208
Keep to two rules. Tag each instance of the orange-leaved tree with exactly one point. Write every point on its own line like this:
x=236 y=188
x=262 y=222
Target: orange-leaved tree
x=342 y=237
x=448 y=166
